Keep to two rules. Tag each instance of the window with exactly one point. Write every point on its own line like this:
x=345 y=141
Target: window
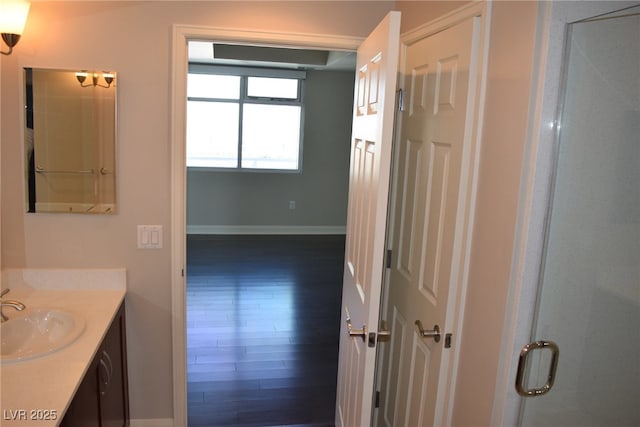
x=244 y=118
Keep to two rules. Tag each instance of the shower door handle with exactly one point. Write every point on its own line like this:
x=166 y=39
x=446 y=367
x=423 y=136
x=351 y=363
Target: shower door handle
x=522 y=366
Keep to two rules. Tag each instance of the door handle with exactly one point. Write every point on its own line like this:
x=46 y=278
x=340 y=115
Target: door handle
x=522 y=365
x=384 y=333
x=105 y=378
x=362 y=332
x=434 y=333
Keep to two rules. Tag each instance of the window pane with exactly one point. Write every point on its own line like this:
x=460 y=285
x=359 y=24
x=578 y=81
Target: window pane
x=213 y=86
x=267 y=87
x=270 y=136
x=212 y=134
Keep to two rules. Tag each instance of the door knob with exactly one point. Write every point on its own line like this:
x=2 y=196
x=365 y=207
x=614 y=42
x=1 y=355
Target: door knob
x=362 y=332
x=434 y=333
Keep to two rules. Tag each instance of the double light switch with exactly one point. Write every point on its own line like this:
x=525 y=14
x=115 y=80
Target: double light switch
x=149 y=237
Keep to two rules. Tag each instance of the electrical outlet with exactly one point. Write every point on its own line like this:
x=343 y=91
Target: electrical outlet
x=149 y=237
x=292 y=204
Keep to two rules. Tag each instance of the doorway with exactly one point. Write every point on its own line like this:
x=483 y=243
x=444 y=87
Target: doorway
x=263 y=307
x=181 y=37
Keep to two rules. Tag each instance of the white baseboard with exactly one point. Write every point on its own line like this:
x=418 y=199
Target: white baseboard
x=157 y=422
x=265 y=229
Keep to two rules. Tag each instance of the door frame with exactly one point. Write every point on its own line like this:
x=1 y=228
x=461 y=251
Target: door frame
x=182 y=34
x=538 y=169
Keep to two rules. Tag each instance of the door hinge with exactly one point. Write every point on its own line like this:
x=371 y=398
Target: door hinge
x=389 y=258
x=377 y=402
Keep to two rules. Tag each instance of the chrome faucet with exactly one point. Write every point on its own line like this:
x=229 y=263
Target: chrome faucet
x=9 y=303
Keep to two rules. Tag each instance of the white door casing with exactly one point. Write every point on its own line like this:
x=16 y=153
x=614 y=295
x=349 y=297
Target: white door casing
x=371 y=152
x=434 y=192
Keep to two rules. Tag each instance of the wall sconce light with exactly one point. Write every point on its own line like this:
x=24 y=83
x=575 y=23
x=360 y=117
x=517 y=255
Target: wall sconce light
x=82 y=77
x=13 y=17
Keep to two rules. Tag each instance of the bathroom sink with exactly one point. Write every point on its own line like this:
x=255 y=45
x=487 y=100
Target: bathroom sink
x=37 y=332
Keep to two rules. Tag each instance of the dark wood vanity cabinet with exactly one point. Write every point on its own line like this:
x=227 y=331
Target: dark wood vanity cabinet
x=102 y=400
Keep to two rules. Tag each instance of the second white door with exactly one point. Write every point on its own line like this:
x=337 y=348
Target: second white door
x=430 y=223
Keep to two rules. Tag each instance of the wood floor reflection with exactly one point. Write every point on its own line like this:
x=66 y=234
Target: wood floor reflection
x=263 y=316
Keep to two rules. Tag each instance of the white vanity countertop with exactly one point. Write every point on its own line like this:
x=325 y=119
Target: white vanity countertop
x=43 y=387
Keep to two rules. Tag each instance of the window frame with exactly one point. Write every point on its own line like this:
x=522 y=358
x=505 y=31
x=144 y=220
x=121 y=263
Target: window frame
x=245 y=72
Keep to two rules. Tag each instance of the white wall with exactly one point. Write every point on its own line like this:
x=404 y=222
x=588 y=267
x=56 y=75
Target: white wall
x=132 y=38
x=416 y=13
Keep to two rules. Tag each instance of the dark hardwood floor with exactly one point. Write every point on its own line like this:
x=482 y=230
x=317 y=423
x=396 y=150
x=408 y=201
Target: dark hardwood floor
x=263 y=316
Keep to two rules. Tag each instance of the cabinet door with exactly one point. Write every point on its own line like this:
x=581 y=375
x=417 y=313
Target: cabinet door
x=84 y=410
x=112 y=365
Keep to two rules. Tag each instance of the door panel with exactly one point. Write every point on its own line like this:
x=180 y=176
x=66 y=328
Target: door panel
x=428 y=221
x=589 y=301
x=367 y=216
x=401 y=334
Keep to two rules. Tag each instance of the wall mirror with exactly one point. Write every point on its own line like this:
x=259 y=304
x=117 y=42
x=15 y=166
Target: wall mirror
x=70 y=140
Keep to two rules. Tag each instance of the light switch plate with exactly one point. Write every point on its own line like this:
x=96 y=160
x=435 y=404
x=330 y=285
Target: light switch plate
x=149 y=237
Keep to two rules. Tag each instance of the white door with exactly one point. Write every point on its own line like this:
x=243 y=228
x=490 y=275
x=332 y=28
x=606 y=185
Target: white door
x=371 y=149
x=431 y=225
x=588 y=307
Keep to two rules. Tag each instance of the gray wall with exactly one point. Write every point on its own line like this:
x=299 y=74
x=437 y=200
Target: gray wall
x=262 y=199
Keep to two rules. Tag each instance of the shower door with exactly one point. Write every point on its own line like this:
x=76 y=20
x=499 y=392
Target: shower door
x=589 y=299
